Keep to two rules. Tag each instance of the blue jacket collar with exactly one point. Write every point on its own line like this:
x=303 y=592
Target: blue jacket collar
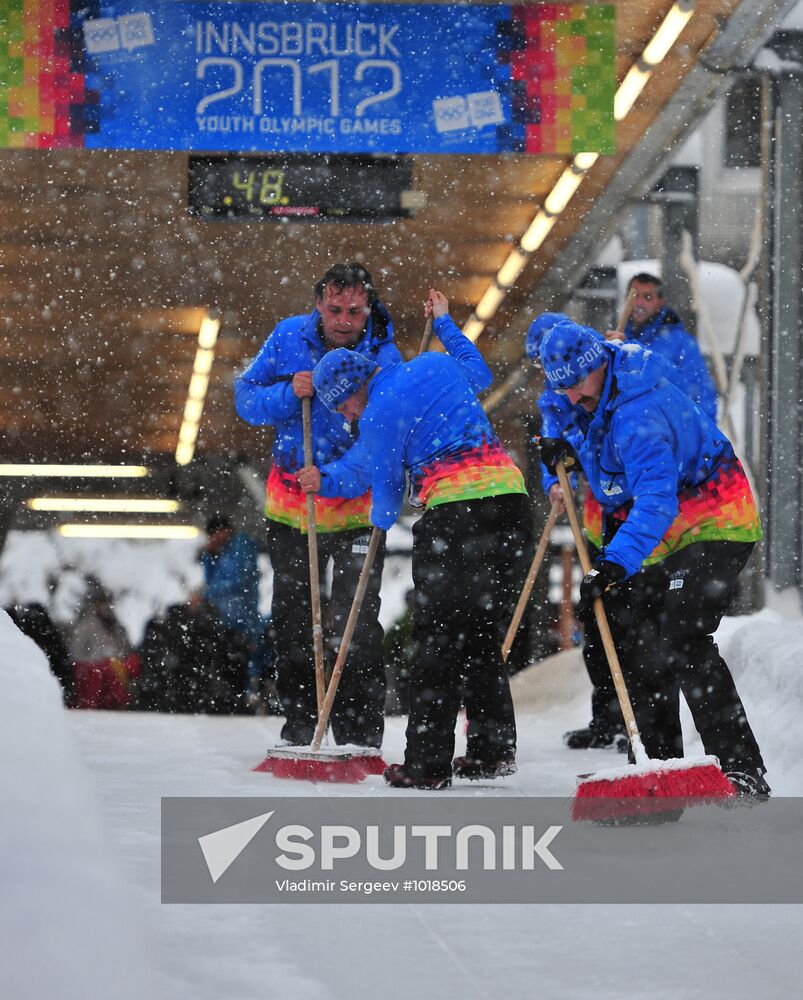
x=666 y=317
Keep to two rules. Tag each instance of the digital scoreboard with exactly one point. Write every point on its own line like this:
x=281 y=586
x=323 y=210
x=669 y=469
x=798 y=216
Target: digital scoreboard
x=299 y=186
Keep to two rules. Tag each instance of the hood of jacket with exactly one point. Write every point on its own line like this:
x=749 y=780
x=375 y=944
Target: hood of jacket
x=632 y=371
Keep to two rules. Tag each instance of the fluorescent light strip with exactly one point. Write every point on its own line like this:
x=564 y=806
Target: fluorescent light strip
x=668 y=33
x=629 y=91
x=132 y=505
x=193 y=409
x=490 y=302
x=563 y=191
x=572 y=177
x=473 y=327
x=512 y=268
x=656 y=51
x=537 y=232
x=196 y=393
x=129 y=531
x=79 y=471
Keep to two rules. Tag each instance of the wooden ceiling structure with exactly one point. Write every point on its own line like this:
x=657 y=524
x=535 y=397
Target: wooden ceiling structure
x=105 y=277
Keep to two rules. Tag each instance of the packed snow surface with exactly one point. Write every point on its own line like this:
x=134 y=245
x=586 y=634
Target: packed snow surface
x=80 y=864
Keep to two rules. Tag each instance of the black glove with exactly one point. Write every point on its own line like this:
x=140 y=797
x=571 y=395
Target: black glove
x=553 y=449
x=603 y=576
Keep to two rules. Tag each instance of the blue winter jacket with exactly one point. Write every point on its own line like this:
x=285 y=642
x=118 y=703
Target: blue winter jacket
x=263 y=394
x=416 y=413
x=666 y=335
x=232 y=584
x=645 y=443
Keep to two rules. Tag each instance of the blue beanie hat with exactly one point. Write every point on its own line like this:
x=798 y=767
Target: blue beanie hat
x=339 y=374
x=570 y=352
x=539 y=328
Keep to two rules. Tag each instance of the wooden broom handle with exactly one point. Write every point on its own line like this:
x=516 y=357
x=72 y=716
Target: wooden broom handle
x=351 y=624
x=312 y=545
x=602 y=622
x=426 y=337
x=526 y=590
x=627 y=309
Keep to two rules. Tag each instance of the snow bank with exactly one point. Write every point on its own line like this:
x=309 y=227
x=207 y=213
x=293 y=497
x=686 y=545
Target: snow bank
x=68 y=925
x=764 y=654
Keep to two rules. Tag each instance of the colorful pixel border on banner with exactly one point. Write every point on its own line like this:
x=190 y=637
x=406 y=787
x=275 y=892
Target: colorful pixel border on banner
x=564 y=78
x=42 y=93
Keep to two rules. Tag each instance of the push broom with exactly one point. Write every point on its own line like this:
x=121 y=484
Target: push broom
x=648 y=786
x=344 y=764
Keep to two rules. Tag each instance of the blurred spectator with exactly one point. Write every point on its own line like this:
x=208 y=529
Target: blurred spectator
x=192 y=663
x=101 y=652
x=231 y=572
x=35 y=622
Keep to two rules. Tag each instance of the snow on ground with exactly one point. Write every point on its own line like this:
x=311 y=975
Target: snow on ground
x=81 y=884
x=71 y=924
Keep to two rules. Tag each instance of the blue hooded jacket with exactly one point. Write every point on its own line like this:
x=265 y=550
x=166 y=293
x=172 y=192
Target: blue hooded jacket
x=232 y=584
x=417 y=413
x=263 y=394
x=645 y=443
x=666 y=335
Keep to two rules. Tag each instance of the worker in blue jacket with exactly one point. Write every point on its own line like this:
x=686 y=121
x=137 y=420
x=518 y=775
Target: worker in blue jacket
x=422 y=420
x=654 y=325
x=347 y=315
x=560 y=419
x=674 y=494
x=685 y=367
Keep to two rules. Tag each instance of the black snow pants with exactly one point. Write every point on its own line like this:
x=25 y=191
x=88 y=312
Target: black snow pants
x=469 y=558
x=669 y=648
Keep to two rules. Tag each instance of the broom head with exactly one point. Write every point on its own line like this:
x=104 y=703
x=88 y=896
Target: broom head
x=645 y=790
x=344 y=764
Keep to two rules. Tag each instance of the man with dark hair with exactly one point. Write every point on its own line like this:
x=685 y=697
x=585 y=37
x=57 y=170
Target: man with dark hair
x=656 y=326
x=422 y=420
x=348 y=314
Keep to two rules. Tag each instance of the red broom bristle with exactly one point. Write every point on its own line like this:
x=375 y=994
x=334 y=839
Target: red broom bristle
x=372 y=764
x=346 y=772
x=650 y=793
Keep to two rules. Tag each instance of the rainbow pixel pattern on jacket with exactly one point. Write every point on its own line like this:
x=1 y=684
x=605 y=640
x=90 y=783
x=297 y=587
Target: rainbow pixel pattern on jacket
x=468 y=474
x=286 y=503
x=721 y=509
